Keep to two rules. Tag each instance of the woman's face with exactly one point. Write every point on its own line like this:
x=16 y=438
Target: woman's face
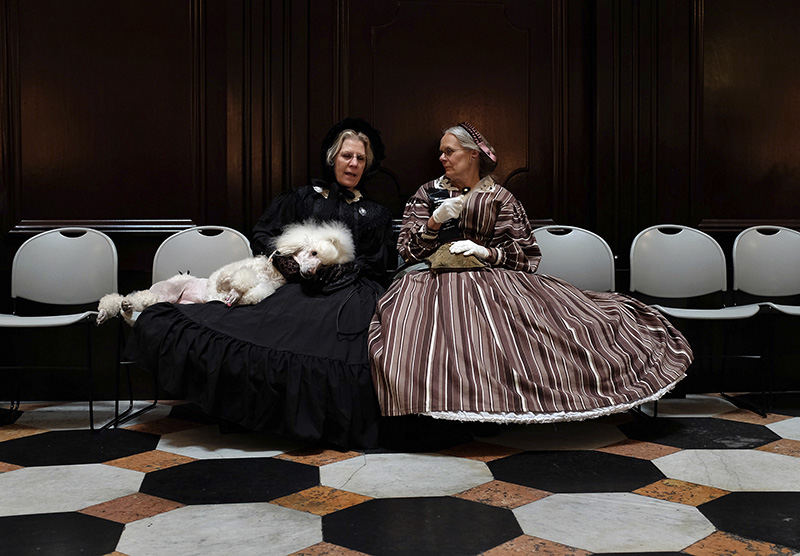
x=460 y=164
x=350 y=162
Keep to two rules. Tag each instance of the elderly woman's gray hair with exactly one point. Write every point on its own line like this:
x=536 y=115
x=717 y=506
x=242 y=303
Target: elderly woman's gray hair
x=485 y=164
x=334 y=149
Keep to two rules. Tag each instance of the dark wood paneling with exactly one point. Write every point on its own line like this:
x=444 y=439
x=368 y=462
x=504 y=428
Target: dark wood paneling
x=418 y=67
x=111 y=111
x=645 y=120
x=9 y=110
x=678 y=123
x=751 y=88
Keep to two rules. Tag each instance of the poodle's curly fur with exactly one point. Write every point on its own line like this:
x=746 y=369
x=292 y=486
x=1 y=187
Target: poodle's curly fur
x=246 y=282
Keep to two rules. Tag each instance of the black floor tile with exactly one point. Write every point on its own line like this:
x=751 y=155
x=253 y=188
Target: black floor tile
x=700 y=433
x=783 y=403
x=75 y=447
x=59 y=534
x=416 y=526
x=576 y=471
x=9 y=416
x=767 y=516
x=230 y=480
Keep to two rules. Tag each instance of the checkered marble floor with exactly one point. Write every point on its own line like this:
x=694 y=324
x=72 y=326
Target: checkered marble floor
x=703 y=478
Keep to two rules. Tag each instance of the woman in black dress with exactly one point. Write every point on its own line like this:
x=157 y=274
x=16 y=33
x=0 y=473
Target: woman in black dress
x=296 y=363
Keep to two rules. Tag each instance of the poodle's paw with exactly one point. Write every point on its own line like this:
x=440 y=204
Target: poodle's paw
x=108 y=307
x=103 y=316
x=232 y=297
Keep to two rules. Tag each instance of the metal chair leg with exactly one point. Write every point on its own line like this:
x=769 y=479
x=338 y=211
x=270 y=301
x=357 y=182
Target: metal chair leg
x=738 y=401
x=90 y=371
x=128 y=414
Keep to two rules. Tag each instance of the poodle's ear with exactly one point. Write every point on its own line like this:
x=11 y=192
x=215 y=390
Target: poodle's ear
x=293 y=238
x=341 y=238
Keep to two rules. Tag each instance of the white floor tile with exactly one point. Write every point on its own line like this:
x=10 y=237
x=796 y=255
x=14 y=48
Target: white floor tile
x=64 y=488
x=75 y=415
x=614 y=522
x=744 y=470
x=223 y=529
x=790 y=428
x=208 y=442
x=401 y=475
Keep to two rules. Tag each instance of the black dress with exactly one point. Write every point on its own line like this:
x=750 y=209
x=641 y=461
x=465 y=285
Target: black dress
x=296 y=363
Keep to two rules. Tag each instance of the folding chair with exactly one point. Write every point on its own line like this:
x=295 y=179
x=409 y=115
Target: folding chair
x=672 y=262
x=198 y=251
x=579 y=256
x=64 y=267
x=766 y=263
x=766 y=268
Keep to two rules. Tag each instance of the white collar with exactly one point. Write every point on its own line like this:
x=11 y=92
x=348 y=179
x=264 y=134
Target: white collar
x=485 y=184
x=324 y=191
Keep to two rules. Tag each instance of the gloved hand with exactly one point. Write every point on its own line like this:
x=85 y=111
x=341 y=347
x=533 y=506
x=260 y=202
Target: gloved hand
x=330 y=278
x=450 y=208
x=286 y=265
x=468 y=247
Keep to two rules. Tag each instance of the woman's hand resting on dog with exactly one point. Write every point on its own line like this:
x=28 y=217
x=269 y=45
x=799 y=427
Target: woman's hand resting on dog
x=287 y=266
x=330 y=278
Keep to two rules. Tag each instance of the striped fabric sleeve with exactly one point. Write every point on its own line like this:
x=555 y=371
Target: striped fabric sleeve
x=416 y=242
x=514 y=245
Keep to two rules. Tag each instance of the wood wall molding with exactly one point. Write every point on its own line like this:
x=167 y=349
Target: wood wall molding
x=648 y=118
x=9 y=111
x=198 y=101
x=734 y=225
x=56 y=116
x=696 y=115
x=560 y=84
x=162 y=226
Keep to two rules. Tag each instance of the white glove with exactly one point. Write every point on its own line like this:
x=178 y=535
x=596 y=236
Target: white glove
x=468 y=247
x=450 y=208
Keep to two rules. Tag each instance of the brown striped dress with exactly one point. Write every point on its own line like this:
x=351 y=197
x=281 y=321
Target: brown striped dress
x=504 y=344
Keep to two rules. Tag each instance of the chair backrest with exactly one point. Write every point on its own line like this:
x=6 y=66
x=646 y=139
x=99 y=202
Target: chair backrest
x=579 y=256
x=674 y=261
x=199 y=251
x=65 y=266
x=766 y=261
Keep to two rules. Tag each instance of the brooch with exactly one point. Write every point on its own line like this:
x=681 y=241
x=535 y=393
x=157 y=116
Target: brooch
x=362 y=211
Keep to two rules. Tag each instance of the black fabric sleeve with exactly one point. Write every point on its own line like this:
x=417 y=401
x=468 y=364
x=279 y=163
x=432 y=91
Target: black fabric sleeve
x=377 y=254
x=281 y=212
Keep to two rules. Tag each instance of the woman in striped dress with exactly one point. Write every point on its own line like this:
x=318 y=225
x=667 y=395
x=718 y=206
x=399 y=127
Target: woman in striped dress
x=496 y=342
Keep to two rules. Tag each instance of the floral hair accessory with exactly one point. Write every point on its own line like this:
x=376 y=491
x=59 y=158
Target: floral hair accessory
x=479 y=140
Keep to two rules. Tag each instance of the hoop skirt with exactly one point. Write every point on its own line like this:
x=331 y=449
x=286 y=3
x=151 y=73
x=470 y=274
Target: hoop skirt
x=295 y=364
x=507 y=346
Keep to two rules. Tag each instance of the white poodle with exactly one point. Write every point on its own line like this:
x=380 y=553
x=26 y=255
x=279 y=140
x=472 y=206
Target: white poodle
x=246 y=282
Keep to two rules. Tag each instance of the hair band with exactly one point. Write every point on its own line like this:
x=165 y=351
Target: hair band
x=478 y=138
